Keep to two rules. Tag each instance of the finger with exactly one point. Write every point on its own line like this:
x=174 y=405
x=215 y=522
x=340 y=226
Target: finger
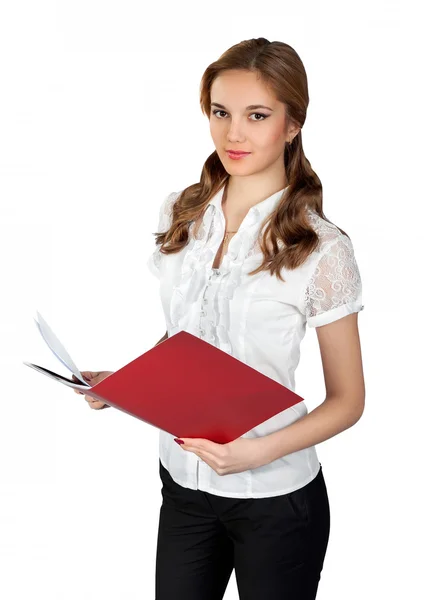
x=208 y=460
x=205 y=455
x=77 y=381
x=92 y=400
x=88 y=375
x=97 y=405
x=203 y=445
x=93 y=403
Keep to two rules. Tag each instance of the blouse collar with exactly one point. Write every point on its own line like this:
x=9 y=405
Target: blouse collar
x=260 y=210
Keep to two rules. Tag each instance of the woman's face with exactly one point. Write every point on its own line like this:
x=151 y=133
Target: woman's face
x=233 y=126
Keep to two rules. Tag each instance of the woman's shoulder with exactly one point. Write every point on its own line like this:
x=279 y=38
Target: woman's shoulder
x=168 y=203
x=327 y=232
x=165 y=210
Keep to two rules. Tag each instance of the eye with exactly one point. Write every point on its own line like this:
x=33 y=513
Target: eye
x=260 y=115
x=257 y=114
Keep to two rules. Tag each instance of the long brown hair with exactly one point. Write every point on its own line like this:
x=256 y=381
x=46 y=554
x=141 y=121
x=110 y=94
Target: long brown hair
x=280 y=68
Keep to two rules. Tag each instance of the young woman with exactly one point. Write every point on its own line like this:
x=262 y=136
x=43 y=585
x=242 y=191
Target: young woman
x=246 y=259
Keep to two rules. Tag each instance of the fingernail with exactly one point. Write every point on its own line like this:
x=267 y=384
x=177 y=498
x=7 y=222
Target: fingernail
x=178 y=441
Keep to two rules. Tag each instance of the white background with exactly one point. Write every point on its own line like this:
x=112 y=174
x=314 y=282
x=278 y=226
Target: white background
x=100 y=119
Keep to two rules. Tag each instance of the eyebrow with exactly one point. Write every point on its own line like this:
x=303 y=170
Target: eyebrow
x=250 y=107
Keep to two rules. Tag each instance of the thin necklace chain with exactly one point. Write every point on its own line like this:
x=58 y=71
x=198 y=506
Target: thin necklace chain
x=226 y=235
x=227 y=232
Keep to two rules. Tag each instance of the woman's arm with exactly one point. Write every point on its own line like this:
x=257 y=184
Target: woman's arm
x=345 y=393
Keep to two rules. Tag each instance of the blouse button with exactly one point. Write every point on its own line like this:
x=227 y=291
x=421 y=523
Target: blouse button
x=202 y=313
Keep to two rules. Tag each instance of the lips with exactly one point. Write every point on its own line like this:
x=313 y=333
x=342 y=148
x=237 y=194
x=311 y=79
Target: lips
x=237 y=152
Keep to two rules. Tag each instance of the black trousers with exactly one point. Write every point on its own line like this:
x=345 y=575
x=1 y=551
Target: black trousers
x=276 y=545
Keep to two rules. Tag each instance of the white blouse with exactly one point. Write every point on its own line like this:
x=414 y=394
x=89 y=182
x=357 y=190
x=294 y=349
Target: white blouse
x=258 y=319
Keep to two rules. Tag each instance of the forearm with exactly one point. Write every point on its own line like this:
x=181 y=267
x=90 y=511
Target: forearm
x=331 y=417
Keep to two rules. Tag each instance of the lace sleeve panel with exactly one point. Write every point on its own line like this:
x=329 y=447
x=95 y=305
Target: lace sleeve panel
x=334 y=289
x=164 y=222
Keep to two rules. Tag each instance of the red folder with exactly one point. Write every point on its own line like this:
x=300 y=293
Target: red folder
x=190 y=388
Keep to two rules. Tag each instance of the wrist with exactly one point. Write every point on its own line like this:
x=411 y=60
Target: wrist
x=263 y=451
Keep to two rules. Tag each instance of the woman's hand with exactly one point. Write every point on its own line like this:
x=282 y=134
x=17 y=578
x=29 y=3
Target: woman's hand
x=237 y=456
x=93 y=377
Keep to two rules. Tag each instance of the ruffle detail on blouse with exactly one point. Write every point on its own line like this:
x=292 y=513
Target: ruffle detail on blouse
x=232 y=269
x=193 y=271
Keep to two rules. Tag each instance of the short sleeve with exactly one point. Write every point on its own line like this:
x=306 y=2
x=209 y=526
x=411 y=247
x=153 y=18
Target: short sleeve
x=334 y=288
x=164 y=223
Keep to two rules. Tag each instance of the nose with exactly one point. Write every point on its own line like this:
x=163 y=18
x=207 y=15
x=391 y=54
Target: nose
x=235 y=131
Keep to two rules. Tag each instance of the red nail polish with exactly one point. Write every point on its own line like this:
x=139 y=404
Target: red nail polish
x=178 y=441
